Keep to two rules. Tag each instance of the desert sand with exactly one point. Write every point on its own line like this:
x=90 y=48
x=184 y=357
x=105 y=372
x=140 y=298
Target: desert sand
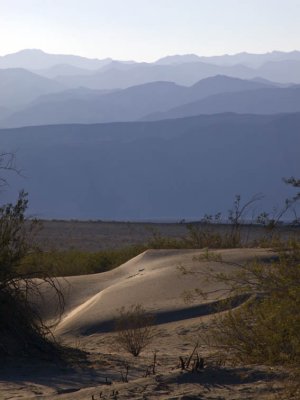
x=158 y=280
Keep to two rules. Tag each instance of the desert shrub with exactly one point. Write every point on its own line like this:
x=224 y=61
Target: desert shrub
x=211 y=233
x=22 y=330
x=74 y=262
x=134 y=329
x=266 y=328
x=158 y=241
x=206 y=234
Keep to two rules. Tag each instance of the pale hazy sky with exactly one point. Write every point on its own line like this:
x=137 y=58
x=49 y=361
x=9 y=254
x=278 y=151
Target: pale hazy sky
x=149 y=29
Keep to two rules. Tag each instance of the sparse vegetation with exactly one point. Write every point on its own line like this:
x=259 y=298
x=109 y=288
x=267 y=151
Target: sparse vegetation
x=135 y=329
x=266 y=328
x=73 y=262
x=232 y=232
x=22 y=330
x=210 y=232
x=194 y=362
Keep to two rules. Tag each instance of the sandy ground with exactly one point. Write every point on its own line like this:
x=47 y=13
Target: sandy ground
x=155 y=279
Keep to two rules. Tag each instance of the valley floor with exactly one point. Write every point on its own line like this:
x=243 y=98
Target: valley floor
x=101 y=235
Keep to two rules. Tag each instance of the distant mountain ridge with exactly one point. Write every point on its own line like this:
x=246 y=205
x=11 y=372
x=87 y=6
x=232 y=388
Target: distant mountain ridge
x=74 y=71
x=40 y=88
x=248 y=59
x=37 y=59
x=34 y=59
x=62 y=70
x=134 y=103
x=19 y=86
x=122 y=76
x=172 y=169
x=137 y=74
x=259 y=101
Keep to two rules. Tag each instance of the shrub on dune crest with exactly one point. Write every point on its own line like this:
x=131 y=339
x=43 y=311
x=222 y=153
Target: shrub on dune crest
x=76 y=262
x=267 y=328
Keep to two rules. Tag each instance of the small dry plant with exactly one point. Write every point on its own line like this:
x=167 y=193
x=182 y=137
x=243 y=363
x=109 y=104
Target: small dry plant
x=193 y=363
x=135 y=329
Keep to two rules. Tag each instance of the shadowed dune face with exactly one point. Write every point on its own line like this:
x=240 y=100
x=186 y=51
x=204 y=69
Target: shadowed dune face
x=154 y=279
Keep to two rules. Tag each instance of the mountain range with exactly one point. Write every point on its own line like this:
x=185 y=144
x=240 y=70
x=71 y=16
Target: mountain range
x=172 y=139
x=19 y=87
x=169 y=169
x=140 y=102
x=37 y=88
x=35 y=59
x=247 y=59
x=118 y=75
x=259 y=101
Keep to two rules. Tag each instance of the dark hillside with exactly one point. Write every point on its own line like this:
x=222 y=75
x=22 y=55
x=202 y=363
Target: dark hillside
x=167 y=169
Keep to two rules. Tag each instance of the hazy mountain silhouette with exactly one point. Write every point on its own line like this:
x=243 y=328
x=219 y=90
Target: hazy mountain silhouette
x=117 y=75
x=221 y=84
x=137 y=74
x=180 y=59
x=91 y=106
x=168 y=169
x=260 y=101
x=248 y=59
x=271 y=83
x=78 y=93
x=34 y=59
x=76 y=71
x=62 y=70
x=255 y=60
x=94 y=106
x=80 y=90
x=281 y=71
x=19 y=86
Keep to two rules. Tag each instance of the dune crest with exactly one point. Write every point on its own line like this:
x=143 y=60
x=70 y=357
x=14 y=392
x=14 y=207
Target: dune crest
x=153 y=279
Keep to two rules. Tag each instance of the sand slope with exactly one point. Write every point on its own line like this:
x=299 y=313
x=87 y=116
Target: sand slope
x=153 y=279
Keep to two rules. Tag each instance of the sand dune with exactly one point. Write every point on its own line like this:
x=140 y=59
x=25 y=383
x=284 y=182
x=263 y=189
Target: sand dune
x=153 y=279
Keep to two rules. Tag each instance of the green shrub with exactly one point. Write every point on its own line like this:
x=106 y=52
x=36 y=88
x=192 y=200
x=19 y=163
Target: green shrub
x=73 y=262
x=22 y=331
x=164 y=242
x=267 y=328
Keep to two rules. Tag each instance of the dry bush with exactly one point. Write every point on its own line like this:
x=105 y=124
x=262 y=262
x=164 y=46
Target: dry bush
x=266 y=329
x=22 y=330
x=134 y=329
x=158 y=241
